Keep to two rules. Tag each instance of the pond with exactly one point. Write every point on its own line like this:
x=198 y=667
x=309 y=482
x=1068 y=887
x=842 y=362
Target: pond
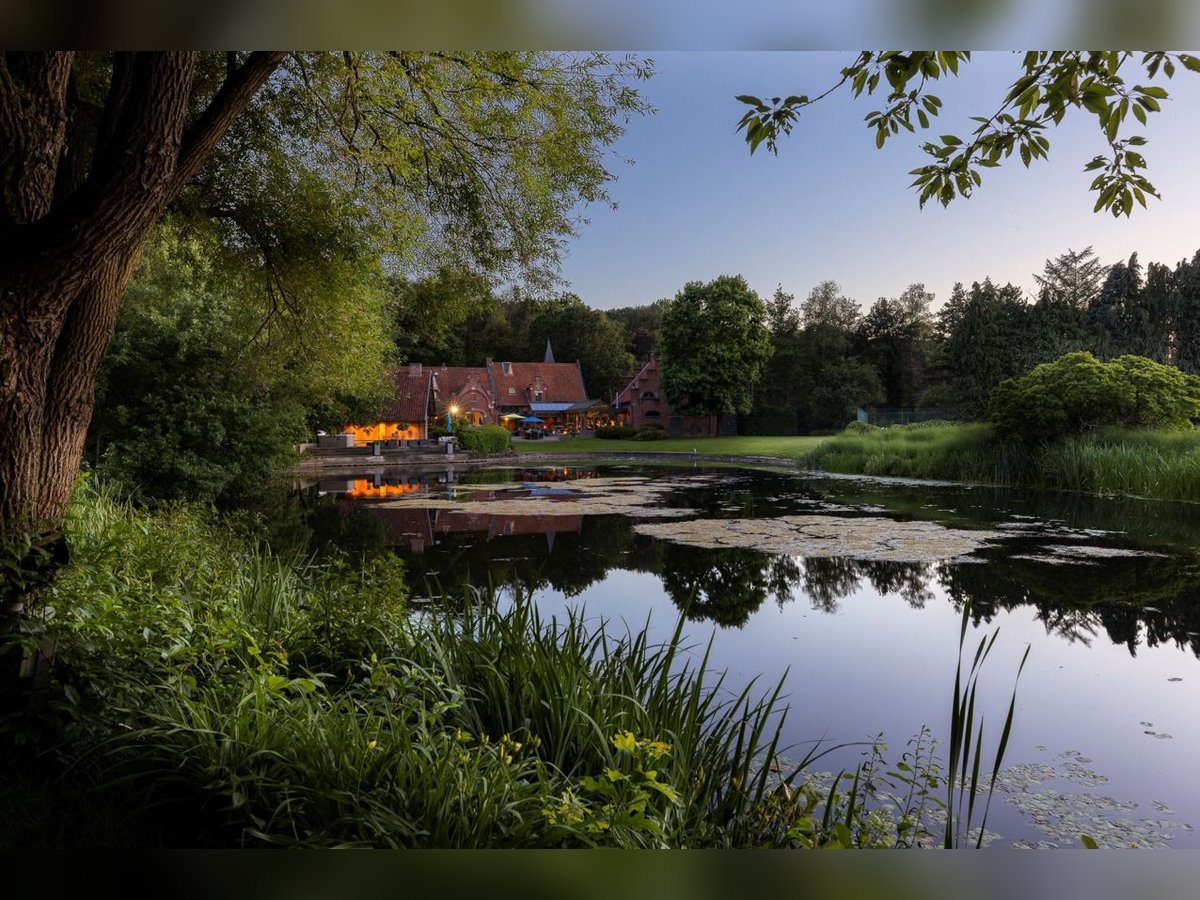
x=851 y=590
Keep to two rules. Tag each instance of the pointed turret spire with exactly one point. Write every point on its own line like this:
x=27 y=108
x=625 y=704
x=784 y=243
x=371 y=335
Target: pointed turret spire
x=549 y=352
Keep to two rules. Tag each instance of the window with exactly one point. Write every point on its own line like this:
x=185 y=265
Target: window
x=507 y=367
x=649 y=395
x=537 y=396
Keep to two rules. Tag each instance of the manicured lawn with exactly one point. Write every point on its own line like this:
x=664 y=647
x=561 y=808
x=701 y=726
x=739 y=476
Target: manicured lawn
x=783 y=447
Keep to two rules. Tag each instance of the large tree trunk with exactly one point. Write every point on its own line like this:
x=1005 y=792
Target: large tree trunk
x=80 y=190
x=81 y=187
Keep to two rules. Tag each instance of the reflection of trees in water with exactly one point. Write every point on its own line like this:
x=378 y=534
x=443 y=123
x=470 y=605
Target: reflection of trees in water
x=1134 y=600
x=828 y=580
x=724 y=586
x=1153 y=521
x=300 y=523
x=566 y=561
x=783 y=573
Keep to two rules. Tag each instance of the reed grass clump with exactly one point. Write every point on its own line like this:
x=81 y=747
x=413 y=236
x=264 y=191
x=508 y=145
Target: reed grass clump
x=1156 y=464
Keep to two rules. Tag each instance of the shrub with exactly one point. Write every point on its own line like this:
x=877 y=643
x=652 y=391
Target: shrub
x=616 y=432
x=485 y=439
x=857 y=427
x=650 y=433
x=1078 y=393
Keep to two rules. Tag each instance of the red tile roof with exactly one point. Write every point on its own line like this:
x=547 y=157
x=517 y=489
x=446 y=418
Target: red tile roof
x=411 y=401
x=559 y=382
x=452 y=379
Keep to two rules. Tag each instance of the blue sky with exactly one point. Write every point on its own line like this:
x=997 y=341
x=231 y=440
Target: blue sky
x=694 y=204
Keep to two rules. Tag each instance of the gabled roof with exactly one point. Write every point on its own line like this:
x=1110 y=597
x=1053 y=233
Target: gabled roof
x=411 y=400
x=560 y=382
x=629 y=393
x=452 y=379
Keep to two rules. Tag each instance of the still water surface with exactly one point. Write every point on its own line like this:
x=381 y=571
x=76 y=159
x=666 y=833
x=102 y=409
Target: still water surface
x=852 y=591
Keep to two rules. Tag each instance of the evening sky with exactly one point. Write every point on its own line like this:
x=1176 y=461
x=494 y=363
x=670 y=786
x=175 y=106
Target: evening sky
x=694 y=204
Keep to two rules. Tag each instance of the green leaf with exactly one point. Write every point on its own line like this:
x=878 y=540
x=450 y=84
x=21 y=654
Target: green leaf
x=951 y=140
x=1089 y=842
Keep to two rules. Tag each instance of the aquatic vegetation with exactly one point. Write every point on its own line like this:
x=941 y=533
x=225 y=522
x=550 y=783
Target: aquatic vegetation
x=861 y=537
x=630 y=496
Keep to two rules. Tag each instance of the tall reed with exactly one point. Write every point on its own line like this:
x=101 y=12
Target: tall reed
x=1140 y=463
x=276 y=701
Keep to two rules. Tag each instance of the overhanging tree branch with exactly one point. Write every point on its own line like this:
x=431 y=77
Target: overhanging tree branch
x=235 y=94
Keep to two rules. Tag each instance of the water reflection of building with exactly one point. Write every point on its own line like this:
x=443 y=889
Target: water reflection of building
x=370 y=487
x=418 y=529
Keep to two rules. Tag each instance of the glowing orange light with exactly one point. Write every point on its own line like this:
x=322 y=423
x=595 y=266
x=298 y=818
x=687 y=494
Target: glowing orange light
x=365 y=490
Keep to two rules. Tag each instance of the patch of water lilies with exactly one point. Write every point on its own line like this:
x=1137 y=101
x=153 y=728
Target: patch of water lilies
x=860 y=537
x=629 y=496
x=1082 y=554
x=1064 y=813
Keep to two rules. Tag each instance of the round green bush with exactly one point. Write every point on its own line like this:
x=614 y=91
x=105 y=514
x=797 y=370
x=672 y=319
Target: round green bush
x=485 y=439
x=857 y=427
x=1078 y=393
x=650 y=433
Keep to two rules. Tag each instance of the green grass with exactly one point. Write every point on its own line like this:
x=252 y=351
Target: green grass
x=1162 y=465
x=779 y=447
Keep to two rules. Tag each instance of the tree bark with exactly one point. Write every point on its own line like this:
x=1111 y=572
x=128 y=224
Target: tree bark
x=69 y=241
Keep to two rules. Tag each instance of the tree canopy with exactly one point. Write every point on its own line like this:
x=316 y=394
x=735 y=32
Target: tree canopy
x=714 y=344
x=1049 y=85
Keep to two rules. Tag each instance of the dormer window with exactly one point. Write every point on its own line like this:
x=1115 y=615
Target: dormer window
x=506 y=367
x=537 y=396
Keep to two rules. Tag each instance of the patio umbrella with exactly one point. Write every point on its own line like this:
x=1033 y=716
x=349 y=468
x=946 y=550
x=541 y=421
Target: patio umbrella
x=513 y=416
x=533 y=419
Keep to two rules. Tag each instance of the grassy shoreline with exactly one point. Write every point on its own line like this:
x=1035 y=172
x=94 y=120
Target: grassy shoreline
x=782 y=447
x=210 y=694
x=1142 y=463
x=1159 y=465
